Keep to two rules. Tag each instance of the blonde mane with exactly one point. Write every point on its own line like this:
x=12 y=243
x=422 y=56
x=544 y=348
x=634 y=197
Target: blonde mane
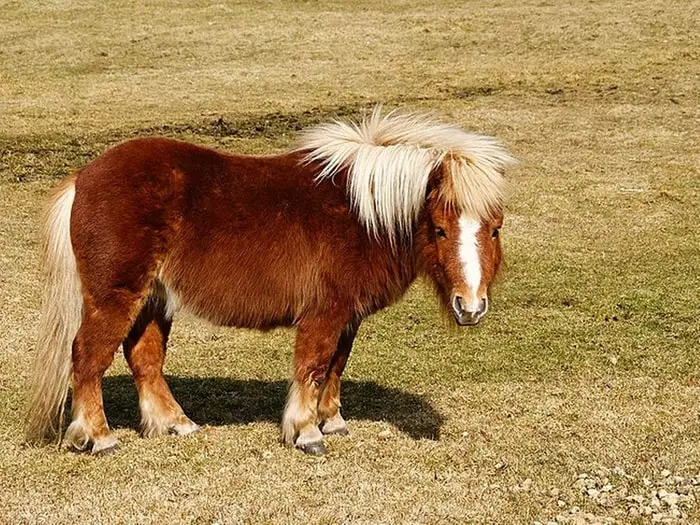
x=390 y=158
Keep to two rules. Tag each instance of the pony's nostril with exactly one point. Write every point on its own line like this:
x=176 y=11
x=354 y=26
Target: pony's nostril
x=457 y=304
x=484 y=305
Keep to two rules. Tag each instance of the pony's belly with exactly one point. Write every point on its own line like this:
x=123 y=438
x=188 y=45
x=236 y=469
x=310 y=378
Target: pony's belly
x=229 y=304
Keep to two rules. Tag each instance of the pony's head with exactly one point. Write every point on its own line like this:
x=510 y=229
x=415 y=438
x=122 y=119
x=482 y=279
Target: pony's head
x=461 y=255
x=414 y=180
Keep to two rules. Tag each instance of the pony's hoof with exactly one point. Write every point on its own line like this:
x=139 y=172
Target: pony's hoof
x=185 y=427
x=313 y=449
x=181 y=426
x=107 y=446
x=335 y=426
x=104 y=452
x=76 y=439
x=337 y=432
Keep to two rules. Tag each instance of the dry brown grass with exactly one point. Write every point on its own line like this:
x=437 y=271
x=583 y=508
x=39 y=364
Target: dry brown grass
x=589 y=359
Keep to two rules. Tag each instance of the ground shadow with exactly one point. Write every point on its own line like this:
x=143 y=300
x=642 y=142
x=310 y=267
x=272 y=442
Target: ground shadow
x=222 y=401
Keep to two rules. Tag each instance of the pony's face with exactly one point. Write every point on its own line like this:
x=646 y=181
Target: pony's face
x=463 y=255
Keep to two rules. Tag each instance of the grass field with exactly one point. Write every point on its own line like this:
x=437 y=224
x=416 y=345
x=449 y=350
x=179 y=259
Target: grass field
x=578 y=398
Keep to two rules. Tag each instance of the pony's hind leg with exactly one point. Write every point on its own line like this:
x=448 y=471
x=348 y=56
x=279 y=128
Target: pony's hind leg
x=332 y=421
x=315 y=346
x=144 y=349
x=98 y=338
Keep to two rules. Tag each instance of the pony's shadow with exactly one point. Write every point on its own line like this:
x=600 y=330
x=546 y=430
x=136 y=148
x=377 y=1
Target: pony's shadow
x=221 y=401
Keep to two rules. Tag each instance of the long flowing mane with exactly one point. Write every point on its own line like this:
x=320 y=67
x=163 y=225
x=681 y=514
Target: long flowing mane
x=389 y=159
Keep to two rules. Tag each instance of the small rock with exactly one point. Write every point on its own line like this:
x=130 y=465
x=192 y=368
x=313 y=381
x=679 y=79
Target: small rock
x=554 y=492
x=465 y=434
x=662 y=493
x=618 y=471
x=633 y=512
x=605 y=500
x=684 y=489
x=647 y=482
x=665 y=473
x=671 y=499
x=607 y=487
x=593 y=493
x=561 y=503
x=499 y=466
x=655 y=503
x=384 y=434
x=526 y=485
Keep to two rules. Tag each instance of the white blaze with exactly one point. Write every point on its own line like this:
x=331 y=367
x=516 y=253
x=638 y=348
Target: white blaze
x=471 y=263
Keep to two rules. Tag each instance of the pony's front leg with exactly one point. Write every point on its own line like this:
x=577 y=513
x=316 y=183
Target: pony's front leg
x=332 y=421
x=316 y=344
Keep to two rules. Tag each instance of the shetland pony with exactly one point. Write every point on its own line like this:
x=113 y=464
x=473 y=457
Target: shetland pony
x=318 y=237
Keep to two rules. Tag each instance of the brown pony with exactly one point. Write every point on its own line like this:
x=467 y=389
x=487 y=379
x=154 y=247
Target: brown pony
x=318 y=237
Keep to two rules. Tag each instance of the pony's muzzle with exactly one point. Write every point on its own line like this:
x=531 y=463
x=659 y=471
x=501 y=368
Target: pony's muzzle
x=465 y=317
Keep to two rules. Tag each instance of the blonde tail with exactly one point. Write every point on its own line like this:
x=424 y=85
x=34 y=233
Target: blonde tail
x=61 y=316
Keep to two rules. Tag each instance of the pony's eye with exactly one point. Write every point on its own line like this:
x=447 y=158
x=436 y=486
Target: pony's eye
x=440 y=233
x=495 y=233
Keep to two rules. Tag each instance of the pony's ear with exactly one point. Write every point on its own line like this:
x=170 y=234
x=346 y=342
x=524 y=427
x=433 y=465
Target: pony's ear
x=434 y=181
x=440 y=188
